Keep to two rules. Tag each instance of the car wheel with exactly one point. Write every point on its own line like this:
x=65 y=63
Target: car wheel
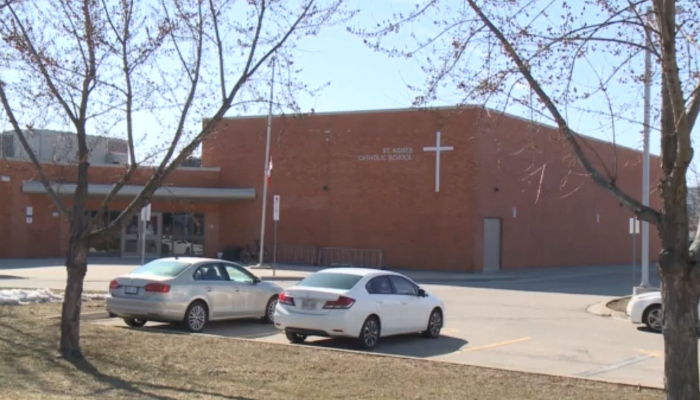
x=196 y=316
x=653 y=318
x=270 y=310
x=135 y=322
x=294 y=337
x=369 y=334
x=434 y=324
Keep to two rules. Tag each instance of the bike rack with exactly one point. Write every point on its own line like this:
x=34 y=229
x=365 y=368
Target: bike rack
x=338 y=256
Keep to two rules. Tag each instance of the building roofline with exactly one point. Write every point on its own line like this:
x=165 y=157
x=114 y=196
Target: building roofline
x=130 y=191
x=370 y=111
x=57 y=132
x=439 y=108
x=69 y=164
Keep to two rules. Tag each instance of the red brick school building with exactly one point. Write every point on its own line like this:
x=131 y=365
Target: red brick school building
x=457 y=189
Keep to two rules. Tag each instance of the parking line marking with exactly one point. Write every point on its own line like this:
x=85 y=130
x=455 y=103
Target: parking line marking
x=618 y=365
x=490 y=346
x=651 y=353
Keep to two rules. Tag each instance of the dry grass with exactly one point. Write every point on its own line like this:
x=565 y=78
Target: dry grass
x=133 y=364
x=619 y=304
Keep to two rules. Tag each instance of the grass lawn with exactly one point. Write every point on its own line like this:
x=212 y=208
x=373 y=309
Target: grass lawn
x=619 y=304
x=132 y=364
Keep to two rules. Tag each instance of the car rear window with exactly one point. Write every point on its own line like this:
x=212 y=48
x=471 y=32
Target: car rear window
x=330 y=281
x=162 y=268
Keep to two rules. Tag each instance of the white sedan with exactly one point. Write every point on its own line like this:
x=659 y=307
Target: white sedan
x=358 y=303
x=191 y=291
x=646 y=309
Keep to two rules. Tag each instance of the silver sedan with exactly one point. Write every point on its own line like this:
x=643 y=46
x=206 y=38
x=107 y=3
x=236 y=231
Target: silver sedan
x=191 y=291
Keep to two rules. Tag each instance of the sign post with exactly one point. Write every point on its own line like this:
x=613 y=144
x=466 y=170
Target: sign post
x=634 y=230
x=276 y=219
x=145 y=218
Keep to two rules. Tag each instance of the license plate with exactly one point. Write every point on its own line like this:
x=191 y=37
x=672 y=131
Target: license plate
x=308 y=304
x=131 y=290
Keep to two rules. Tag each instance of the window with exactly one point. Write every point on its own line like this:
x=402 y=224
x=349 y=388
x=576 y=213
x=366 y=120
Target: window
x=403 y=286
x=209 y=272
x=8 y=146
x=238 y=275
x=379 y=285
x=162 y=268
x=198 y=224
x=330 y=280
x=104 y=245
x=182 y=224
x=167 y=223
x=132 y=227
x=183 y=234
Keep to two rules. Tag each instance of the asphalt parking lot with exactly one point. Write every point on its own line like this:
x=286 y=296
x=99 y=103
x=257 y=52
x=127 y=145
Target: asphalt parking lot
x=534 y=321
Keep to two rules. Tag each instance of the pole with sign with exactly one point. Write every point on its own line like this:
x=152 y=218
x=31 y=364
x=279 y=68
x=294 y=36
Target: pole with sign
x=145 y=217
x=267 y=171
x=634 y=231
x=276 y=219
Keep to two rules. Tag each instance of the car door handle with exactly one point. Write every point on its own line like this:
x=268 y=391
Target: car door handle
x=236 y=289
x=208 y=289
x=404 y=303
x=380 y=302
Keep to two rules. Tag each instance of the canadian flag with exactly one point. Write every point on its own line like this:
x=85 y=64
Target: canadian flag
x=269 y=171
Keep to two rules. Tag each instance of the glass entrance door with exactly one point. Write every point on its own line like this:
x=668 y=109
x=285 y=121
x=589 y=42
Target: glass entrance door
x=131 y=236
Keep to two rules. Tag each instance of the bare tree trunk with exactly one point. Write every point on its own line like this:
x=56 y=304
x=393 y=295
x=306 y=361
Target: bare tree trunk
x=680 y=294
x=76 y=265
x=680 y=333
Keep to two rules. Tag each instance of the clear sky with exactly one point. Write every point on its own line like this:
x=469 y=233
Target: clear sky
x=361 y=79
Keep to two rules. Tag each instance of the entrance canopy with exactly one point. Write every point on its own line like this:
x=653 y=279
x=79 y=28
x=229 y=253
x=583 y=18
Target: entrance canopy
x=169 y=192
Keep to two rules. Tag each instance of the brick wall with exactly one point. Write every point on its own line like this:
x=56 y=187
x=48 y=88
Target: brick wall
x=47 y=235
x=332 y=196
x=561 y=217
x=335 y=194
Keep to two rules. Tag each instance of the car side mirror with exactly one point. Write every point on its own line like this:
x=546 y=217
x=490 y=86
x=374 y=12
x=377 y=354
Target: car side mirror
x=421 y=293
x=256 y=280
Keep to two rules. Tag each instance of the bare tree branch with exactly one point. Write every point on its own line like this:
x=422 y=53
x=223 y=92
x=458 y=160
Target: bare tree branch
x=25 y=145
x=643 y=212
x=163 y=171
x=220 y=48
x=28 y=45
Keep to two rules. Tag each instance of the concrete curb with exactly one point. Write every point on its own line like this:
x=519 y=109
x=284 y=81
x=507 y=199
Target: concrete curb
x=602 y=310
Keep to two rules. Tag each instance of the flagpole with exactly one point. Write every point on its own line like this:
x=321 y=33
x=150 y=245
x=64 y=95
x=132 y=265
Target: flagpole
x=267 y=167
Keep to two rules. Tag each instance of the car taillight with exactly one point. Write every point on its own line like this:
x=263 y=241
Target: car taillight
x=114 y=284
x=342 y=303
x=284 y=298
x=157 y=288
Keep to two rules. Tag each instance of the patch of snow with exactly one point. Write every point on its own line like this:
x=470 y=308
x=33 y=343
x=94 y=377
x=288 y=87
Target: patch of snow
x=17 y=297
x=96 y=296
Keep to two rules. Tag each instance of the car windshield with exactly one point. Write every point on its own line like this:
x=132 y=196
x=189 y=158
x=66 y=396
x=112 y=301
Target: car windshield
x=162 y=268
x=330 y=281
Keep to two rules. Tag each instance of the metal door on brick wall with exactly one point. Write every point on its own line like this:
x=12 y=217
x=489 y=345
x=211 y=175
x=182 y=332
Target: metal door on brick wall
x=492 y=244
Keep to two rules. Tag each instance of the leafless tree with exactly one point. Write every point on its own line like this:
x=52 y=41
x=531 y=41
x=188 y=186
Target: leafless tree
x=582 y=58
x=105 y=66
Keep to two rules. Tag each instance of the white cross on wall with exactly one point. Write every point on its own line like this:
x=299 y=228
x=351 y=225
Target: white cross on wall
x=438 y=149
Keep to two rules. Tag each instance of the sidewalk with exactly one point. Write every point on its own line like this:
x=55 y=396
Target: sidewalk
x=426 y=277
x=51 y=273
x=596 y=280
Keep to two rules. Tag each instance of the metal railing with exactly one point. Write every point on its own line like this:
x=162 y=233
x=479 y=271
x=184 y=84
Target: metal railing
x=305 y=255
x=338 y=256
